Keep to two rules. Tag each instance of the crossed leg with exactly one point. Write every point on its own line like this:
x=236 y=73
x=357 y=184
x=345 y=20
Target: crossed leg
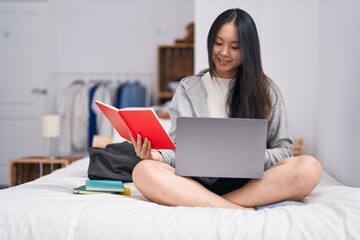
x=290 y=179
x=158 y=182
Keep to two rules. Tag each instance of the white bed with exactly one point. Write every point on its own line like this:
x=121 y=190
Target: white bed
x=47 y=209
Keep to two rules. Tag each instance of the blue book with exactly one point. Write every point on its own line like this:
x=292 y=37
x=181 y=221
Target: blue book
x=105 y=185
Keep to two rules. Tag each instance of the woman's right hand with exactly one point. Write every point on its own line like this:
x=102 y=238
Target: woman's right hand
x=144 y=150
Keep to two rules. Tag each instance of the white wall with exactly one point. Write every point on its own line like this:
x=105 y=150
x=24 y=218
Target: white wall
x=112 y=35
x=310 y=49
x=337 y=138
x=289 y=50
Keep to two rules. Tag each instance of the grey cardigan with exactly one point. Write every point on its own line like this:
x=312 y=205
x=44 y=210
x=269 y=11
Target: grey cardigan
x=190 y=101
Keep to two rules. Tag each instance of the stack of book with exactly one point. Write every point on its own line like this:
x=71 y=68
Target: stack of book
x=103 y=186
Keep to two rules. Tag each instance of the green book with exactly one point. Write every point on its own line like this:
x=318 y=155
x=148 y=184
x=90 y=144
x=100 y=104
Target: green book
x=105 y=185
x=82 y=190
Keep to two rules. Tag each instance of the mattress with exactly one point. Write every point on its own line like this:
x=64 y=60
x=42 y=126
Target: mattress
x=47 y=209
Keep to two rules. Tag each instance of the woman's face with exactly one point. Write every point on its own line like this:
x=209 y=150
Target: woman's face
x=226 y=52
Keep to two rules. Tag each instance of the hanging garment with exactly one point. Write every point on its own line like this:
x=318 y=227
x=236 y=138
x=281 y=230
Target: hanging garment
x=138 y=94
x=65 y=108
x=79 y=134
x=92 y=116
x=119 y=92
x=103 y=94
x=132 y=95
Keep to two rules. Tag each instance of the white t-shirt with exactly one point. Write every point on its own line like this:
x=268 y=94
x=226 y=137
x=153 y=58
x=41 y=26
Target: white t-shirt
x=217 y=89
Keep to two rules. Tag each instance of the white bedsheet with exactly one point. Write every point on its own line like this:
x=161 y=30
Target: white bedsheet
x=47 y=209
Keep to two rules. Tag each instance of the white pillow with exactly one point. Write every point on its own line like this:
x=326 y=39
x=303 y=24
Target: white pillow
x=166 y=123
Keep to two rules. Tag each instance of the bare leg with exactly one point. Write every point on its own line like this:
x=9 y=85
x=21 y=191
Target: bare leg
x=290 y=179
x=158 y=182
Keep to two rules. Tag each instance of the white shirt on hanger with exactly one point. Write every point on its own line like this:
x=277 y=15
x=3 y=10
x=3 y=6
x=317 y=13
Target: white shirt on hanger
x=103 y=94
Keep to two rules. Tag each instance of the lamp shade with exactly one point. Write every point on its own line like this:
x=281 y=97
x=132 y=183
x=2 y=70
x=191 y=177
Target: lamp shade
x=50 y=125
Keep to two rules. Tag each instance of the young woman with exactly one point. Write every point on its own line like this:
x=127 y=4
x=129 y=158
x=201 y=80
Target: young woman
x=234 y=86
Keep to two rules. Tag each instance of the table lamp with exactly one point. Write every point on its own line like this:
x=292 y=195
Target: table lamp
x=50 y=125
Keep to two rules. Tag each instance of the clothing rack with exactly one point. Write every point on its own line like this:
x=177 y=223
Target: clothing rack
x=60 y=82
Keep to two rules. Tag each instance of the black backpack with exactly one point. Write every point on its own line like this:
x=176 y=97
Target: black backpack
x=114 y=162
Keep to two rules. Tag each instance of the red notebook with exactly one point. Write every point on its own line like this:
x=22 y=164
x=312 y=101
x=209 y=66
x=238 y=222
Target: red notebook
x=138 y=120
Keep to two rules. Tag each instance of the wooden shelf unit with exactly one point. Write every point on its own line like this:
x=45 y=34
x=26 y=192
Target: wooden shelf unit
x=174 y=63
x=26 y=169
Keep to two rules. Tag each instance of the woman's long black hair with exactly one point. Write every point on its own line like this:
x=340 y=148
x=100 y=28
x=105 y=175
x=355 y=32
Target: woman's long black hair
x=249 y=96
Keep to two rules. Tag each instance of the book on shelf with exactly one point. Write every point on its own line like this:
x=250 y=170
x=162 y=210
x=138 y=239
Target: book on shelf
x=105 y=185
x=82 y=190
x=138 y=120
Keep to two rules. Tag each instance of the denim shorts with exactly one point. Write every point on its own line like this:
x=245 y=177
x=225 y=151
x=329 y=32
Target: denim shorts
x=225 y=185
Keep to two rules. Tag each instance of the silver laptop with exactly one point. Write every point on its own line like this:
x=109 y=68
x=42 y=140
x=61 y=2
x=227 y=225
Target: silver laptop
x=220 y=147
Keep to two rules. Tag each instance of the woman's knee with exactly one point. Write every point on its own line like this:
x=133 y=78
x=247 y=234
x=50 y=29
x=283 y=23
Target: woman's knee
x=148 y=173
x=312 y=168
x=309 y=172
x=142 y=170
